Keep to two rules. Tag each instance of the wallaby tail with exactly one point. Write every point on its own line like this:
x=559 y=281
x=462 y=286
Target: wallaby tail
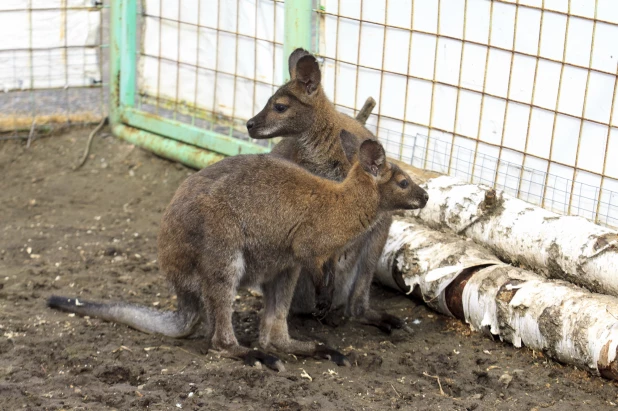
x=176 y=324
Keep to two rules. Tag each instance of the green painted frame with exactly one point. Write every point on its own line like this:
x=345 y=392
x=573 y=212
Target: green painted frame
x=190 y=145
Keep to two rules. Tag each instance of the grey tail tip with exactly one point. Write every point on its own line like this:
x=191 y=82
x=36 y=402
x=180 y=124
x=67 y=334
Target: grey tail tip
x=56 y=301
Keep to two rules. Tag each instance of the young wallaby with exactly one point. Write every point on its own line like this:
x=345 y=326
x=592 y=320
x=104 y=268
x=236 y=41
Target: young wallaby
x=300 y=111
x=250 y=220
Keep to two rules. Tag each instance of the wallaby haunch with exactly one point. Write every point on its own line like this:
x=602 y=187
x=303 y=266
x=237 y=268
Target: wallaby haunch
x=300 y=112
x=250 y=220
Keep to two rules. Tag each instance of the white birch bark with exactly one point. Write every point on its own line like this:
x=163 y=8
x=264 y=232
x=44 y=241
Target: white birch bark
x=556 y=246
x=568 y=323
x=418 y=257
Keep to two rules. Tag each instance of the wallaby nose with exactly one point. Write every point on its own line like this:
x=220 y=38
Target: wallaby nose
x=250 y=124
x=426 y=197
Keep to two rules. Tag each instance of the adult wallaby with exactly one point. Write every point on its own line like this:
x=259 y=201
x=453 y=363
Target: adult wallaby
x=250 y=220
x=300 y=112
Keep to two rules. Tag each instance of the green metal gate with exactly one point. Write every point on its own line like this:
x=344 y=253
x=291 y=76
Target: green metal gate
x=190 y=144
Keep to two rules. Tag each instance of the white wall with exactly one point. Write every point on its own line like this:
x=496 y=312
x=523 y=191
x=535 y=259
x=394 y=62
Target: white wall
x=468 y=77
x=52 y=46
x=203 y=62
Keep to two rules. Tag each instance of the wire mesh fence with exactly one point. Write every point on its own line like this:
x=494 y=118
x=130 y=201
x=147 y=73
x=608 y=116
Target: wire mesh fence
x=515 y=94
x=52 y=63
x=534 y=186
x=210 y=63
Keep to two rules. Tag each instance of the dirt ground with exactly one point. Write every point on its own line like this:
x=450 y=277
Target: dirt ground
x=92 y=233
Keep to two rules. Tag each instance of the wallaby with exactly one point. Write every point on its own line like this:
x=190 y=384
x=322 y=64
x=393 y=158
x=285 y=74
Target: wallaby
x=256 y=220
x=300 y=112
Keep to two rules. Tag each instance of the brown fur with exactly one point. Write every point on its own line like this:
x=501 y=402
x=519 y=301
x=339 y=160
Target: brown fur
x=312 y=127
x=256 y=220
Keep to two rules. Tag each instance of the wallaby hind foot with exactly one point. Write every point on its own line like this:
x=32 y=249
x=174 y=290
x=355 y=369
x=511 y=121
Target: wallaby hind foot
x=359 y=307
x=384 y=321
x=255 y=358
x=274 y=326
x=309 y=349
x=252 y=358
x=335 y=356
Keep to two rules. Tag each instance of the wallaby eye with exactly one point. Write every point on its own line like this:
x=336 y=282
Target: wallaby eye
x=280 y=108
x=403 y=184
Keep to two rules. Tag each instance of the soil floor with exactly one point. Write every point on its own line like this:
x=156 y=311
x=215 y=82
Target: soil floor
x=92 y=233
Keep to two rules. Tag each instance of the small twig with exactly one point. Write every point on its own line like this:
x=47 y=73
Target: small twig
x=122 y=348
x=164 y=347
x=189 y=352
x=304 y=374
x=89 y=143
x=395 y=390
x=435 y=377
x=160 y=347
x=31 y=134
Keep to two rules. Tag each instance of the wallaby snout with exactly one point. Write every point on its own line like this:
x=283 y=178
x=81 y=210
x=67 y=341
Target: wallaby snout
x=267 y=124
x=399 y=192
x=417 y=197
x=283 y=116
x=425 y=199
x=253 y=127
x=420 y=198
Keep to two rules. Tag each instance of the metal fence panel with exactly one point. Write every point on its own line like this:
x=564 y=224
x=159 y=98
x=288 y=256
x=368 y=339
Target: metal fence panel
x=514 y=94
x=210 y=60
x=51 y=63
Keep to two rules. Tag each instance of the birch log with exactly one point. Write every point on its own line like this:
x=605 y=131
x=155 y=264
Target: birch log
x=457 y=277
x=555 y=246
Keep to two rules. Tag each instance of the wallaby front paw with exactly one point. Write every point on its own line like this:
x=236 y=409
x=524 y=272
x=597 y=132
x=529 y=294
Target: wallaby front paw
x=324 y=290
x=323 y=303
x=255 y=358
x=333 y=355
x=334 y=319
x=321 y=309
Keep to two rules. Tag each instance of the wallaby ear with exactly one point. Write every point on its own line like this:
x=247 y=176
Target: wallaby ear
x=293 y=60
x=308 y=72
x=372 y=157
